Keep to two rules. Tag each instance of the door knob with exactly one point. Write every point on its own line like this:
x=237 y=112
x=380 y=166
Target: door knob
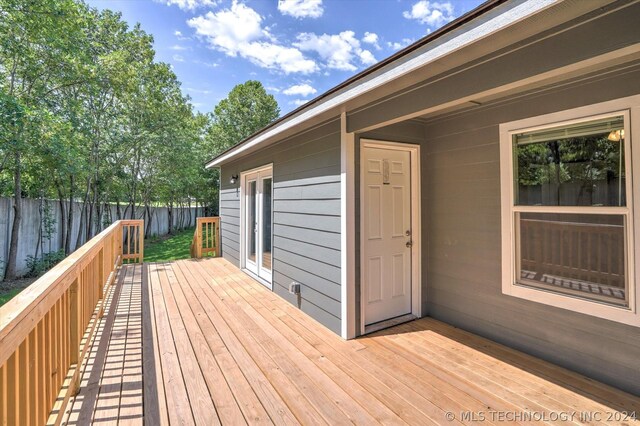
x=409 y=244
x=407 y=233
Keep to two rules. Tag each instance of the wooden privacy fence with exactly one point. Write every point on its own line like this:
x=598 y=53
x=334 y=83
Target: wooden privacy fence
x=206 y=238
x=46 y=330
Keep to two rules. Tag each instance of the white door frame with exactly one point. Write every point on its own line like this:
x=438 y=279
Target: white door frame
x=416 y=228
x=243 y=218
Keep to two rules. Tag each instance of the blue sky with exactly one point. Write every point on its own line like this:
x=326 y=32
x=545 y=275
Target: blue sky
x=298 y=49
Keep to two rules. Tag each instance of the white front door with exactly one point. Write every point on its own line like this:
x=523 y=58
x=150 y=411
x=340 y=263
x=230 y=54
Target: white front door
x=387 y=234
x=257 y=190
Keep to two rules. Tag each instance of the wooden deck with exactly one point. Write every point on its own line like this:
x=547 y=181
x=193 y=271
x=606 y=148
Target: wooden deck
x=199 y=342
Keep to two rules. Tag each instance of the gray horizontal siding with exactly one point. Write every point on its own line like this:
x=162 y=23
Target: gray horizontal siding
x=306 y=217
x=321 y=315
x=461 y=176
x=308 y=249
x=230 y=224
x=329 y=240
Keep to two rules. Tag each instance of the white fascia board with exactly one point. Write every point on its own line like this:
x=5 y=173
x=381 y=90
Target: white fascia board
x=465 y=37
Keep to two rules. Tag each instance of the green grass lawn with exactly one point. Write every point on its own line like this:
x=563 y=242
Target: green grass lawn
x=9 y=289
x=158 y=249
x=169 y=247
x=5 y=296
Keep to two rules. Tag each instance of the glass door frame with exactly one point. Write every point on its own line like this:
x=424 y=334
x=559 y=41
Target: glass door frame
x=255 y=268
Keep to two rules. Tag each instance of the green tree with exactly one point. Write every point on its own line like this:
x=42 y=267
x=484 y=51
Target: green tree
x=88 y=116
x=247 y=109
x=41 y=55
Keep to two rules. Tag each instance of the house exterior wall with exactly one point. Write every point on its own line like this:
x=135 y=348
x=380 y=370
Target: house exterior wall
x=306 y=218
x=460 y=160
x=461 y=175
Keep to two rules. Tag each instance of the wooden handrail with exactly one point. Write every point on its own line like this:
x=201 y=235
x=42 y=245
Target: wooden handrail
x=46 y=330
x=206 y=238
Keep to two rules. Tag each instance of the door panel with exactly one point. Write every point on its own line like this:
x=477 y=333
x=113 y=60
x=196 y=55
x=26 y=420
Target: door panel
x=375 y=279
x=251 y=224
x=266 y=214
x=386 y=215
x=374 y=207
x=258 y=223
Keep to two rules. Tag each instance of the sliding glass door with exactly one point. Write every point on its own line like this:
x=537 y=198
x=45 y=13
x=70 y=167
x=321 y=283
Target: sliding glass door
x=257 y=190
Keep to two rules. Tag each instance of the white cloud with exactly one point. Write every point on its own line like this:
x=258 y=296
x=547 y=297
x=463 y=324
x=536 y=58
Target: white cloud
x=367 y=58
x=207 y=64
x=301 y=8
x=434 y=14
x=199 y=91
x=303 y=90
x=372 y=39
x=238 y=32
x=228 y=28
x=189 y=4
x=397 y=45
x=272 y=89
x=177 y=47
x=274 y=56
x=299 y=102
x=180 y=36
x=178 y=58
x=338 y=50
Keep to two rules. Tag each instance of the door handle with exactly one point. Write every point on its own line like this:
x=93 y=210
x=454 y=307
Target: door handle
x=409 y=244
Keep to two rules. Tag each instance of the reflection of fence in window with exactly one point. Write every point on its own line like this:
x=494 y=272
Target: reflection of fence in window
x=589 y=193
x=586 y=259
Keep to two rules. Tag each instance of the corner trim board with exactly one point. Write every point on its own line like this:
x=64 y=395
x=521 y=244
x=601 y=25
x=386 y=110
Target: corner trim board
x=347 y=230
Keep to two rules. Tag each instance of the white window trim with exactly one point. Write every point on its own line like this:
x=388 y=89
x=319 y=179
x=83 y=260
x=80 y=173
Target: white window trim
x=630 y=108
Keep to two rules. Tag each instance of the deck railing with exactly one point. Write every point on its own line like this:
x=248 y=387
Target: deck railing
x=206 y=238
x=46 y=330
x=585 y=251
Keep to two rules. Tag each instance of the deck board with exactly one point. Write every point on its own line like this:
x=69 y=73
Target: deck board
x=200 y=342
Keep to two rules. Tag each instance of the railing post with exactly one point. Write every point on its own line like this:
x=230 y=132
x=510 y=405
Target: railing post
x=101 y=274
x=120 y=236
x=199 y=239
x=141 y=239
x=216 y=243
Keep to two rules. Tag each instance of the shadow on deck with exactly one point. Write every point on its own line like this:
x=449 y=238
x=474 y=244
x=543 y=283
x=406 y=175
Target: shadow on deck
x=199 y=342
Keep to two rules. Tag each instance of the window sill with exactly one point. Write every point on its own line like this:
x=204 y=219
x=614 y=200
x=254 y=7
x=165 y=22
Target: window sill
x=592 y=308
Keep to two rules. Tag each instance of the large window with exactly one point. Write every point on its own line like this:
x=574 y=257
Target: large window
x=567 y=212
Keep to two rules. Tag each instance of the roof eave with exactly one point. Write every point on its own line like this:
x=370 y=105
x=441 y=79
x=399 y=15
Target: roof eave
x=306 y=111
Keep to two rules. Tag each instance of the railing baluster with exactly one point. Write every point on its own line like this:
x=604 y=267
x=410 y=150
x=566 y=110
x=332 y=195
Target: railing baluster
x=42 y=379
x=12 y=389
x=33 y=377
x=23 y=382
x=3 y=395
